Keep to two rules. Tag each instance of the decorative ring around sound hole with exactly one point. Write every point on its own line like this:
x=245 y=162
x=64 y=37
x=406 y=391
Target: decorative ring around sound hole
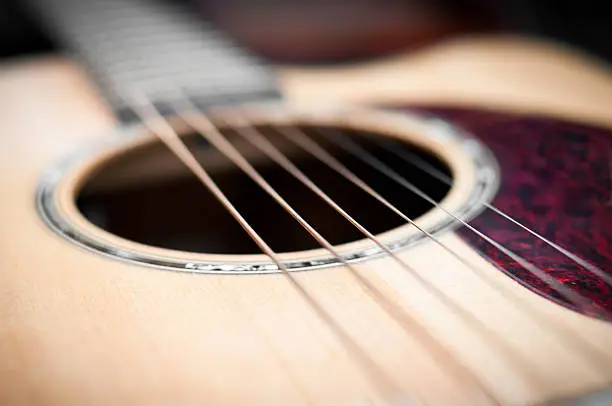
x=67 y=188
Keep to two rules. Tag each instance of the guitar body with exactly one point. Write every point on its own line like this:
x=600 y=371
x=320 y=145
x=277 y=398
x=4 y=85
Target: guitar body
x=78 y=328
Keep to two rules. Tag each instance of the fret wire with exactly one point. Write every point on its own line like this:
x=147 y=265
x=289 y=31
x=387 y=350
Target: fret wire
x=154 y=78
x=137 y=46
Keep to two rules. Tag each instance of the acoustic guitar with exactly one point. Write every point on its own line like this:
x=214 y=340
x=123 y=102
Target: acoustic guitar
x=184 y=224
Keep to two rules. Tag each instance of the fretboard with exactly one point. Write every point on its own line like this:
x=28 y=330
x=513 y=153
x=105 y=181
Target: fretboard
x=136 y=48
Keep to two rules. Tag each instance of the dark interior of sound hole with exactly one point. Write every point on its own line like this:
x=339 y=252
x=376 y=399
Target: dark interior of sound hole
x=146 y=195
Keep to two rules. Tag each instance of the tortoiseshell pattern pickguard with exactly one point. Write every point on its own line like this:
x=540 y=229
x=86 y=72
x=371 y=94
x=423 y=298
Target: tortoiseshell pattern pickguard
x=556 y=180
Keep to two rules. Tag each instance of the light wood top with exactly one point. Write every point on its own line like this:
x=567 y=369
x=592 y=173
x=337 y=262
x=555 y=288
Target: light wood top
x=81 y=329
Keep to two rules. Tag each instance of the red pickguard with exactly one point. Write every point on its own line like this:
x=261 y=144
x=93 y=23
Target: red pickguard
x=556 y=180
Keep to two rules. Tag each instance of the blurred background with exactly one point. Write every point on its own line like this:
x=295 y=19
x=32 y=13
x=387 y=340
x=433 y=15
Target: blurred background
x=320 y=31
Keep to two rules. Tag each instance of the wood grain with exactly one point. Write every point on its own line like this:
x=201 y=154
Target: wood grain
x=80 y=329
x=509 y=73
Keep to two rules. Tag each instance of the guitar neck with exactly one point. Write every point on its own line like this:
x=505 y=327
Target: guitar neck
x=145 y=48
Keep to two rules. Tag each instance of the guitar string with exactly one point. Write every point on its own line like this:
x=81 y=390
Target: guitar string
x=599 y=357
x=195 y=118
x=255 y=138
x=596 y=356
x=430 y=170
x=262 y=183
x=143 y=107
x=248 y=132
x=365 y=156
x=164 y=131
x=157 y=124
x=574 y=297
x=335 y=206
x=239 y=218
x=592 y=353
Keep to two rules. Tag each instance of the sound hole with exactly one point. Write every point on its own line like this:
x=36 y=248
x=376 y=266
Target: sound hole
x=147 y=196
